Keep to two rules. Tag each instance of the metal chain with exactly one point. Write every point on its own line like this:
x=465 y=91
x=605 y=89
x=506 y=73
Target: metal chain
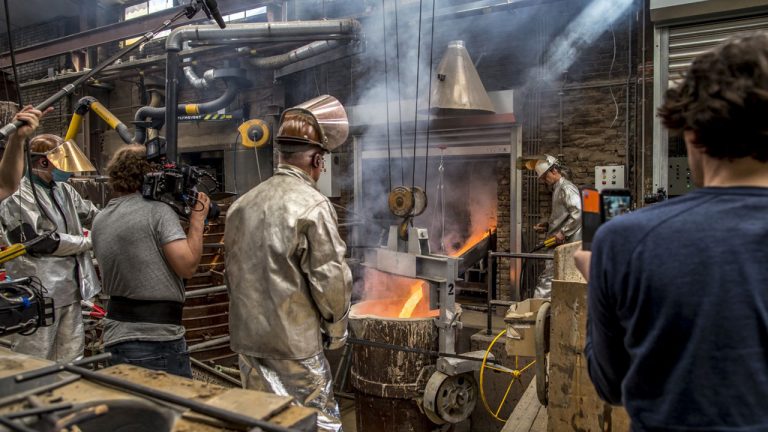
x=364 y=342
x=441 y=195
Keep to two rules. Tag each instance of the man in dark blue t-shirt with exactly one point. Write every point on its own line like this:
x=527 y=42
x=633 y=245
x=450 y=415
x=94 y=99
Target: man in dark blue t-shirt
x=678 y=292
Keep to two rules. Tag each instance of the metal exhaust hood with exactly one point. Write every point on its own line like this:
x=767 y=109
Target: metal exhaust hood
x=458 y=89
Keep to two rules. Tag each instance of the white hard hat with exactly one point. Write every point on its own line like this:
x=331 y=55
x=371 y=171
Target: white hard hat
x=543 y=165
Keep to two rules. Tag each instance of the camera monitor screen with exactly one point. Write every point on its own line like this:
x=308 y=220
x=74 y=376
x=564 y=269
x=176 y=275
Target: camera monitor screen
x=615 y=205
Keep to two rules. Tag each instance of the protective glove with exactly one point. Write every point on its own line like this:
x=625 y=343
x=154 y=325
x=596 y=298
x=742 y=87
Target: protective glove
x=333 y=343
x=46 y=245
x=35 y=245
x=334 y=333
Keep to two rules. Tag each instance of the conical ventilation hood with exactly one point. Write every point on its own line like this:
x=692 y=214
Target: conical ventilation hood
x=457 y=86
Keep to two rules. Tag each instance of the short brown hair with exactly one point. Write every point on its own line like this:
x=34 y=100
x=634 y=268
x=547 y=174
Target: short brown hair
x=724 y=100
x=127 y=168
x=44 y=142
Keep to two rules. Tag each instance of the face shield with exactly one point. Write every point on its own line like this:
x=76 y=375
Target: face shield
x=67 y=157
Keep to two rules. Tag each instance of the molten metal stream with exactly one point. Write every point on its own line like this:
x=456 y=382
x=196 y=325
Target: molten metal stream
x=416 y=295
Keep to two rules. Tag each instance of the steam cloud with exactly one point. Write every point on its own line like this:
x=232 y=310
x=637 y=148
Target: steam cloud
x=580 y=33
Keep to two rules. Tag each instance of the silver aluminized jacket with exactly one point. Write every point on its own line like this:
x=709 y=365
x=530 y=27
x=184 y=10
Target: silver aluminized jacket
x=70 y=267
x=286 y=271
x=566 y=211
x=565 y=217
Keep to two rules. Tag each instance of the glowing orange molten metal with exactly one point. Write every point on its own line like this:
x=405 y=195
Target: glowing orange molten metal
x=416 y=296
x=470 y=243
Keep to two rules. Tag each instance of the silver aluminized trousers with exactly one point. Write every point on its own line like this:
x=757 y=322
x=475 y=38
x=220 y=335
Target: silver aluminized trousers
x=64 y=341
x=308 y=381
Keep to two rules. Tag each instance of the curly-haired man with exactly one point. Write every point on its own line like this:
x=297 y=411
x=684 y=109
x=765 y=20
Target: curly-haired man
x=678 y=292
x=143 y=255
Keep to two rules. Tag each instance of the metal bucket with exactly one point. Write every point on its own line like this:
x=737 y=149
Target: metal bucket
x=390 y=383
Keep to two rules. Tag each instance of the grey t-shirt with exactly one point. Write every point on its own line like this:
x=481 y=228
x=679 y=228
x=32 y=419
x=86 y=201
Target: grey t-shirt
x=128 y=236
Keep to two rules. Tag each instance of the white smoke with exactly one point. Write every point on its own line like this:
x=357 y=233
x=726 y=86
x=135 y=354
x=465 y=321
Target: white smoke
x=580 y=33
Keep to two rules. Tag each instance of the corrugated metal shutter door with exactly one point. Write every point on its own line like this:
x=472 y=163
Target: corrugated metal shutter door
x=687 y=42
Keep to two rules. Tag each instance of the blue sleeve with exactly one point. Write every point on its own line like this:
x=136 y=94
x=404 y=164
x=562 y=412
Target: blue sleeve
x=607 y=357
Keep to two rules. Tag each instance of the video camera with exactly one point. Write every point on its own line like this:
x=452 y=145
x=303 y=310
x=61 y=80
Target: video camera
x=178 y=187
x=23 y=308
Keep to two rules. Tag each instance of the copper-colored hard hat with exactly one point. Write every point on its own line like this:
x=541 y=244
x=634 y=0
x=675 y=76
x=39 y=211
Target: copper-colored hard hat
x=321 y=121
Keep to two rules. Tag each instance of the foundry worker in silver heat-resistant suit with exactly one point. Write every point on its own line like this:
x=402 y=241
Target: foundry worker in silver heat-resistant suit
x=564 y=222
x=49 y=207
x=289 y=284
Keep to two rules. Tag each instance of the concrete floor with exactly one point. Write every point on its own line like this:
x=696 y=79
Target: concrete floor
x=348 y=419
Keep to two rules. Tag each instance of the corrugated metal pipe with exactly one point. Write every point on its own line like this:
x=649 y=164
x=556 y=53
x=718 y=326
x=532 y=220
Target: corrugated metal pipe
x=300 y=53
x=194 y=80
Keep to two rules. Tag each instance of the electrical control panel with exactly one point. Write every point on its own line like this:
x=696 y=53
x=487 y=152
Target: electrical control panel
x=679 y=176
x=329 y=183
x=609 y=177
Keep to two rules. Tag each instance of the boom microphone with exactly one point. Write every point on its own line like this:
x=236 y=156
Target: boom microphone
x=211 y=8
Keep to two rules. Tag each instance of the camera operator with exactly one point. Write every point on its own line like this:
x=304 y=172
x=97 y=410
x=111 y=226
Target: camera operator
x=52 y=208
x=143 y=254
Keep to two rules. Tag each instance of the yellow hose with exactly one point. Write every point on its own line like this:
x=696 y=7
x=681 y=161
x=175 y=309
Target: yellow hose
x=105 y=114
x=13 y=251
x=74 y=127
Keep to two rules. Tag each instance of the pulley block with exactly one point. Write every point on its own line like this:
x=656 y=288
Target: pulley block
x=407 y=201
